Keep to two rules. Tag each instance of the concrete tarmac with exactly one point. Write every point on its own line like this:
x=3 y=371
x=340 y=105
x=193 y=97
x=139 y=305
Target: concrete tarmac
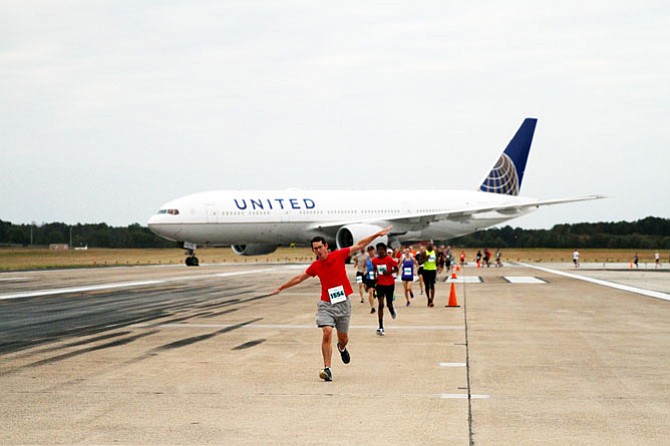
x=176 y=355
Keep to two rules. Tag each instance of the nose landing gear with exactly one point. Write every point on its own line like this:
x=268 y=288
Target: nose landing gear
x=191 y=260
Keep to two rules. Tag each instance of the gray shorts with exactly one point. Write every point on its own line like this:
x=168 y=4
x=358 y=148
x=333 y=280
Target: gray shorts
x=337 y=315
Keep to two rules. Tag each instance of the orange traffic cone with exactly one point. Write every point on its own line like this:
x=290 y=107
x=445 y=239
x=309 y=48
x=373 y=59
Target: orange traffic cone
x=452 y=297
x=453 y=276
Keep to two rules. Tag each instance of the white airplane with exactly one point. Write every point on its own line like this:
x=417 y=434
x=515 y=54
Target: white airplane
x=256 y=222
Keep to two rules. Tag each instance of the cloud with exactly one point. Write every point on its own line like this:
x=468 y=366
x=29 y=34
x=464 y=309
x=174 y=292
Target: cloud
x=106 y=100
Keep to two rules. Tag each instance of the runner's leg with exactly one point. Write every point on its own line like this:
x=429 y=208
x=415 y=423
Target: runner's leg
x=380 y=302
x=342 y=339
x=327 y=345
x=389 y=301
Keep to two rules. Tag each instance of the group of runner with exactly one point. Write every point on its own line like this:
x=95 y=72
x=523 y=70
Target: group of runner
x=485 y=258
x=409 y=264
x=377 y=268
x=334 y=306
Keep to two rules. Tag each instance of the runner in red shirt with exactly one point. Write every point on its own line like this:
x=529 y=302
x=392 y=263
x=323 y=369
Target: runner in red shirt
x=385 y=266
x=334 y=306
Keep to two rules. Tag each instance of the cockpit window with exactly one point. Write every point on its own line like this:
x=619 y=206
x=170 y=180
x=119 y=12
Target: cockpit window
x=169 y=211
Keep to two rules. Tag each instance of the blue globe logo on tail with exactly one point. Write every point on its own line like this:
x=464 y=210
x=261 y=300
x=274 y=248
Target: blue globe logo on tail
x=507 y=174
x=503 y=178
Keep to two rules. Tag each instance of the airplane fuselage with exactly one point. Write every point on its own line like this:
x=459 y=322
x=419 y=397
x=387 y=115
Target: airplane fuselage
x=294 y=216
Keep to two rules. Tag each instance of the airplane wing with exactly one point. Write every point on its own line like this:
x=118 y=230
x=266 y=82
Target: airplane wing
x=422 y=219
x=510 y=209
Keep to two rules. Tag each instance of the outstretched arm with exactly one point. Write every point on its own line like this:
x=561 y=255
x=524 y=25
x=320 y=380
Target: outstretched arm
x=294 y=281
x=366 y=241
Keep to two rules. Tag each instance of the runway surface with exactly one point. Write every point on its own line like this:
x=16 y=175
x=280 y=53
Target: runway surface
x=534 y=354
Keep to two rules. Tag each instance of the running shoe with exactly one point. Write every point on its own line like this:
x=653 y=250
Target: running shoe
x=372 y=310
x=346 y=358
x=362 y=300
x=393 y=313
x=380 y=332
x=326 y=374
x=411 y=294
x=407 y=304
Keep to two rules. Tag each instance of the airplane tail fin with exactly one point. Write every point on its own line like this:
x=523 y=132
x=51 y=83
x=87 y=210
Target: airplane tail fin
x=507 y=173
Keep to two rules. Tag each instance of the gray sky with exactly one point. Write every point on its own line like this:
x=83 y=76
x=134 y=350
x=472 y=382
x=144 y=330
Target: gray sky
x=108 y=109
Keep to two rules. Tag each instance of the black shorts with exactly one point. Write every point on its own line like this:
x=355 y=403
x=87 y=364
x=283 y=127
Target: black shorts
x=429 y=276
x=369 y=284
x=385 y=291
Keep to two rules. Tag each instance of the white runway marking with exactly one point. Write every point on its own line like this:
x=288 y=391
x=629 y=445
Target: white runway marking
x=523 y=279
x=618 y=286
x=111 y=286
x=299 y=326
x=462 y=396
x=465 y=279
x=452 y=364
x=81 y=289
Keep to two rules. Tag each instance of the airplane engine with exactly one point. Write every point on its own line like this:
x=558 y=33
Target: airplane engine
x=350 y=234
x=253 y=249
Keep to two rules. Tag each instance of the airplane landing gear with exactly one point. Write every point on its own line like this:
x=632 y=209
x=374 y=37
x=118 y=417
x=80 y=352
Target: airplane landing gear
x=191 y=260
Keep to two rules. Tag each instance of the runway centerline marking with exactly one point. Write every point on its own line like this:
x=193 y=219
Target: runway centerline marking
x=618 y=286
x=462 y=396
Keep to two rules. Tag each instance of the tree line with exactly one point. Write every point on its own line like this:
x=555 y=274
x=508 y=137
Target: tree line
x=647 y=233
x=99 y=235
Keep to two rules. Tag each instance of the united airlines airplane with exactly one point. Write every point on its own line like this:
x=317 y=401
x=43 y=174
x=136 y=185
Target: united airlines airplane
x=256 y=222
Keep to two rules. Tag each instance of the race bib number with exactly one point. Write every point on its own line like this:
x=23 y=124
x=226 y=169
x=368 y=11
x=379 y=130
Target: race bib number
x=371 y=275
x=381 y=269
x=337 y=295
x=407 y=272
x=359 y=279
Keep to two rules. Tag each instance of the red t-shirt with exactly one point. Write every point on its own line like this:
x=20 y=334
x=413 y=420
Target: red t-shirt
x=332 y=272
x=385 y=264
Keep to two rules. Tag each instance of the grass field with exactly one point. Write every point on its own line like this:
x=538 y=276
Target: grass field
x=16 y=259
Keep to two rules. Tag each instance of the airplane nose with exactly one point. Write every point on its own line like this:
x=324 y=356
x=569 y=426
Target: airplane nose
x=164 y=226
x=153 y=222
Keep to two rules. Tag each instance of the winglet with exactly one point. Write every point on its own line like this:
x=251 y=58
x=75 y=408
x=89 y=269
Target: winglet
x=507 y=174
